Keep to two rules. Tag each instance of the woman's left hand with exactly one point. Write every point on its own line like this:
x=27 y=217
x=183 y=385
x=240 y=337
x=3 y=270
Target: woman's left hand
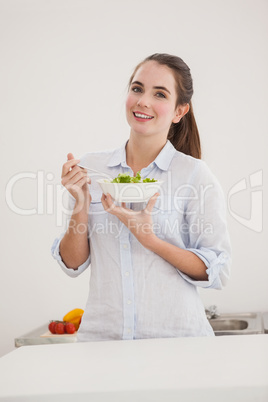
x=140 y=223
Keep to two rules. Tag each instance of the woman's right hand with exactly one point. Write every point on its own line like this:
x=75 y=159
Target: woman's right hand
x=75 y=180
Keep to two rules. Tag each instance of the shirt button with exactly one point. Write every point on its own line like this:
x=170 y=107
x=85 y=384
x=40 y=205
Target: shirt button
x=125 y=246
x=127 y=273
x=129 y=301
x=129 y=331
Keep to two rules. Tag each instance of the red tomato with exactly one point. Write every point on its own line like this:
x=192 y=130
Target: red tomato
x=69 y=328
x=59 y=328
x=52 y=326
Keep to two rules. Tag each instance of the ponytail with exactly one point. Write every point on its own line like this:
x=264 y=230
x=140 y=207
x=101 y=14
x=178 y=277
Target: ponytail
x=184 y=135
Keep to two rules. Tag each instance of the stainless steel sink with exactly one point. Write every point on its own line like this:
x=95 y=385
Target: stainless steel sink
x=237 y=324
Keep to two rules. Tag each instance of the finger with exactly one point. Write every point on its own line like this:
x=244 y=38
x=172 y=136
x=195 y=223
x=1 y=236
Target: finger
x=151 y=203
x=75 y=170
x=69 y=165
x=77 y=185
x=108 y=203
x=123 y=205
x=70 y=156
x=103 y=201
x=73 y=177
x=107 y=200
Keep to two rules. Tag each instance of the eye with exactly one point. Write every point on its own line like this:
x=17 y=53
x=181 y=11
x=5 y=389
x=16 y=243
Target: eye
x=136 y=89
x=160 y=95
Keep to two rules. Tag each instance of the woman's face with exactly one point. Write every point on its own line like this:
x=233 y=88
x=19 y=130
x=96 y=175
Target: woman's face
x=151 y=101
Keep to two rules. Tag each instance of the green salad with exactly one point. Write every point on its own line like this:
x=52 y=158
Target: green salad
x=125 y=178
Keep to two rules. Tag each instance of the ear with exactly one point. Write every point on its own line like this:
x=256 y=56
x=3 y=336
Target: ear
x=180 y=112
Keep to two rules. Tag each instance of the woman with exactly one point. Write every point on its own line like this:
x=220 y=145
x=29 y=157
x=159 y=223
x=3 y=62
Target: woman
x=147 y=260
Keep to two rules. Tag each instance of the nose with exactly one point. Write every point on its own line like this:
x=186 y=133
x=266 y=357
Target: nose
x=143 y=101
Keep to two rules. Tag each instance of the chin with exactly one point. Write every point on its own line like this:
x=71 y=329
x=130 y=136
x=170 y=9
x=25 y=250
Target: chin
x=144 y=133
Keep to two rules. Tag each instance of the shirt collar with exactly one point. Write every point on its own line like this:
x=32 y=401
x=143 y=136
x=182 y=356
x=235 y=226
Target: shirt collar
x=118 y=157
x=162 y=160
x=165 y=156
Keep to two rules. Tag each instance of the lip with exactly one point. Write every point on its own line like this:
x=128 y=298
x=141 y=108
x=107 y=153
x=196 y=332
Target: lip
x=140 y=118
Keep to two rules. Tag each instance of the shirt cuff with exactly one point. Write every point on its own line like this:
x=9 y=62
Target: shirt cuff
x=218 y=269
x=55 y=251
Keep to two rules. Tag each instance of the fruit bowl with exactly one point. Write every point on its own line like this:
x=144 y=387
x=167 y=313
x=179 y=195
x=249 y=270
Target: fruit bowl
x=130 y=192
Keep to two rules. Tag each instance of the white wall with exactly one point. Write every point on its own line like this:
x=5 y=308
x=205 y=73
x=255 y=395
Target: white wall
x=64 y=70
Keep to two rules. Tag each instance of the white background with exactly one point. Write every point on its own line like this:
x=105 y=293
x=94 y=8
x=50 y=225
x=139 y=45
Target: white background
x=64 y=70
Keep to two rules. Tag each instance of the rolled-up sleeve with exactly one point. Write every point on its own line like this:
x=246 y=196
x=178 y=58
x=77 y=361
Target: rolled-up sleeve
x=208 y=238
x=55 y=251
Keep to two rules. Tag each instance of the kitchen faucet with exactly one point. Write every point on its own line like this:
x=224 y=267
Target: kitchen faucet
x=212 y=312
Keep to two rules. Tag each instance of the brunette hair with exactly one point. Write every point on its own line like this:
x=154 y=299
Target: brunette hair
x=183 y=135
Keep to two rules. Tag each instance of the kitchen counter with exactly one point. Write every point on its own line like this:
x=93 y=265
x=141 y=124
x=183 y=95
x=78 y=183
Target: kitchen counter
x=226 y=368
x=41 y=336
x=224 y=324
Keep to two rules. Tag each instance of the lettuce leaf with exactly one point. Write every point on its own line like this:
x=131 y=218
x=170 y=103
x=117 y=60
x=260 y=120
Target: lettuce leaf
x=125 y=178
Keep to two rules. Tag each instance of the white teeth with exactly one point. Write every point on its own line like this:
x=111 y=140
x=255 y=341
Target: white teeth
x=142 y=116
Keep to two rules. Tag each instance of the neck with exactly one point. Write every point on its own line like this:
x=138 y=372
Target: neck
x=140 y=152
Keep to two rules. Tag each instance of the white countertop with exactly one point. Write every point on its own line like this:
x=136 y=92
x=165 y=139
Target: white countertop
x=218 y=369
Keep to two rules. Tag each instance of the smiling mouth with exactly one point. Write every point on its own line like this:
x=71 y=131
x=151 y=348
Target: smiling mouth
x=142 y=116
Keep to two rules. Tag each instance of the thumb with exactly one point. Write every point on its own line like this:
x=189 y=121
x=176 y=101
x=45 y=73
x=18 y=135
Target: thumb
x=70 y=156
x=151 y=202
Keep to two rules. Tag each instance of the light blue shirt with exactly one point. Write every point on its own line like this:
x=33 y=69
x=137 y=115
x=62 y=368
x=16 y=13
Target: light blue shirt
x=134 y=293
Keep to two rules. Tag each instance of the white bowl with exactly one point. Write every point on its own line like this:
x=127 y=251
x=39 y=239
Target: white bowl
x=130 y=192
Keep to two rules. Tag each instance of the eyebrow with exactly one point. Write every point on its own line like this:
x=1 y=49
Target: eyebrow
x=156 y=87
